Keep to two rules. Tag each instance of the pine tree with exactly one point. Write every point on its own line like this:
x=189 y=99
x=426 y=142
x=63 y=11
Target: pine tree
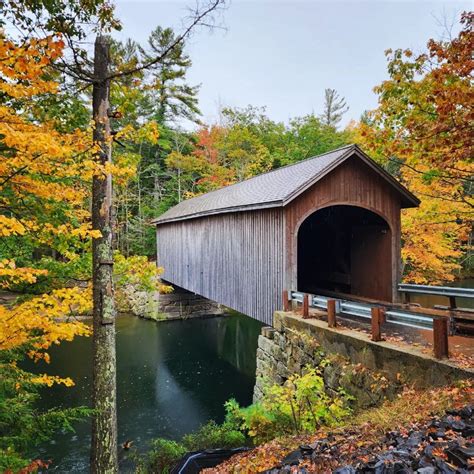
x=175 y=99
x=334 y=108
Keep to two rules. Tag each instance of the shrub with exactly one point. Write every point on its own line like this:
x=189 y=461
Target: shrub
x=302 y=402
x=255 y=421
x=162 y=456
x=300 y=405
x=211 y=436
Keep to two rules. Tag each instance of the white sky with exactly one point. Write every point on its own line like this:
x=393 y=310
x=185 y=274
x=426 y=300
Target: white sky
x=283 y=54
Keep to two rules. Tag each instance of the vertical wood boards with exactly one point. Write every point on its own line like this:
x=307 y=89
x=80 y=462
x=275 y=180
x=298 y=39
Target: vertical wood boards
x=235 y=259
x=352 y=183
x=244 y=260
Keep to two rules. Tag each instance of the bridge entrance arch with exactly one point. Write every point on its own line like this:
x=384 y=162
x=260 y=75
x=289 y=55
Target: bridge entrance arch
x=238 y=245
x=345 y=249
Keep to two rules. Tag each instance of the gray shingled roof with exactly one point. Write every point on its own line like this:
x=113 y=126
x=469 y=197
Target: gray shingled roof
x=273 y=189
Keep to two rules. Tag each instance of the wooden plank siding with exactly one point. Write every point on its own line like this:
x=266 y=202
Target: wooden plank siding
x=245 y=258
x=353 y=183
x=236 y=259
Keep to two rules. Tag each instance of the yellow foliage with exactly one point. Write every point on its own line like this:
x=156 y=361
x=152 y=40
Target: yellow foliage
x=10 y=274
x=45 y=320
x=50 y=380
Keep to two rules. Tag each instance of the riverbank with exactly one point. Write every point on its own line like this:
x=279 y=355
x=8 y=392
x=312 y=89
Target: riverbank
x=413 y=418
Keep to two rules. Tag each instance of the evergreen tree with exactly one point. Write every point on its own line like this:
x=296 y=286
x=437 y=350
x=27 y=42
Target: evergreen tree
x=175 y=99
x=334 y=108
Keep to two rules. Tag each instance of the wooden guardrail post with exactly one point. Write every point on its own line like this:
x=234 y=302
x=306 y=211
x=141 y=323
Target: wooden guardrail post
x=286 y=301
x=440 y=338
x=452 y=302
x=305 y=306
x=331 y=309
x=376 y=324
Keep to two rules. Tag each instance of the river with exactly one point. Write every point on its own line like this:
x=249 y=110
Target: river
x=171 y=378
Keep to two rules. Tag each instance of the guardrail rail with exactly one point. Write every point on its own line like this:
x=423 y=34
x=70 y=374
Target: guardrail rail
x=376 y=314
x=447 y=291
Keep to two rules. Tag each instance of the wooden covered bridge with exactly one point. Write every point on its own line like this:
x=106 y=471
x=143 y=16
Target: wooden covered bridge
x=329 y=224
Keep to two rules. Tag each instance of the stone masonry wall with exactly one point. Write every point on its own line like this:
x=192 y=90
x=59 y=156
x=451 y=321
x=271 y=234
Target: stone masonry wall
x=182 y=304
x=286 y=352
x=368 y=371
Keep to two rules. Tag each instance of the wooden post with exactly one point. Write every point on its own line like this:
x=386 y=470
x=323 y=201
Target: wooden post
x=331 y=309
x=286 y=306
x=383 y=316
x=305 y=306
x=440 y=338
x=376 y=323
x=452 y=302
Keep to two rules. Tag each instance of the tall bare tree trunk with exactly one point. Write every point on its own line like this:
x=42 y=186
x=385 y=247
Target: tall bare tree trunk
x=104 y=426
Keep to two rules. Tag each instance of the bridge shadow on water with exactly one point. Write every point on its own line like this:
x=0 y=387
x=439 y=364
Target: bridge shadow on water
x=171 y=378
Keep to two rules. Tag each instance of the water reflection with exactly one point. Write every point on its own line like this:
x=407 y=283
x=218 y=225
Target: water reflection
x=171 y=378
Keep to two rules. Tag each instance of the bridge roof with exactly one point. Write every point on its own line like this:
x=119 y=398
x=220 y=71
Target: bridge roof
x=276 y=188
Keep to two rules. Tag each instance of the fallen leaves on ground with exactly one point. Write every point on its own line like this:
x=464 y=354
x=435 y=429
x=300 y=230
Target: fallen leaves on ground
x=360 y=440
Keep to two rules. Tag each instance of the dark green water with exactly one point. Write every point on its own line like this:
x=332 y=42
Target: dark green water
x=171 y=378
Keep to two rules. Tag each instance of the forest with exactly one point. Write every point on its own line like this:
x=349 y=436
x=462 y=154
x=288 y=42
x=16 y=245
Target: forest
x=66 y=133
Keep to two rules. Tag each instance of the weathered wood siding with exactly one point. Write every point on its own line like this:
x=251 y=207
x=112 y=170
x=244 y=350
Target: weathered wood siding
x=236 y=259
x=352 y=183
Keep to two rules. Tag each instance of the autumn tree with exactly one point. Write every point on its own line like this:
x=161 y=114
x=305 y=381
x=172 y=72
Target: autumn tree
x=43 y=182
x=71 y=20
x=423 y=130
x=204 y=168
x=334 y=108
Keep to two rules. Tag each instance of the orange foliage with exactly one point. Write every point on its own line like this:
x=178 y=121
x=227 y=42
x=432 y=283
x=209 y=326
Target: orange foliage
x=422 y=131
x=42 y=191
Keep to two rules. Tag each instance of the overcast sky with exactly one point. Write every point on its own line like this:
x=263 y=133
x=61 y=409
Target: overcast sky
x=283 y=54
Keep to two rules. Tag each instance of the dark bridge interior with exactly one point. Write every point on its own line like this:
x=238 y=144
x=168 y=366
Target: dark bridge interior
x=345 y=249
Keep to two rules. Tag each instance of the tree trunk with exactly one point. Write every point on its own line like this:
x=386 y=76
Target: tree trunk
x=104 y=424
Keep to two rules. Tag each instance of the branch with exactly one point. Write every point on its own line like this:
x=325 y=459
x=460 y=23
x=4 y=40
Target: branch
x=445 y=176
x=444 y=198
x=197 y=21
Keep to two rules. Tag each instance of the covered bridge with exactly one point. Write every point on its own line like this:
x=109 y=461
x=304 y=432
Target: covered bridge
x=328 y=224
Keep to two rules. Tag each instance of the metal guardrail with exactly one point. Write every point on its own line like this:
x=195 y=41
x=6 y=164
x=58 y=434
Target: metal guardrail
x=377 y=314
x=437 y=290
x=363 y=310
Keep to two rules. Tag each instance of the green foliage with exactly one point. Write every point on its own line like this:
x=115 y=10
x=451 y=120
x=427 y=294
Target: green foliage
x=211 y=435
x=67 y=17
x=164 y=454
x=303 y=138
x=255 y=421
x=303 y=400
x=22 y=426
x=298 y=406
